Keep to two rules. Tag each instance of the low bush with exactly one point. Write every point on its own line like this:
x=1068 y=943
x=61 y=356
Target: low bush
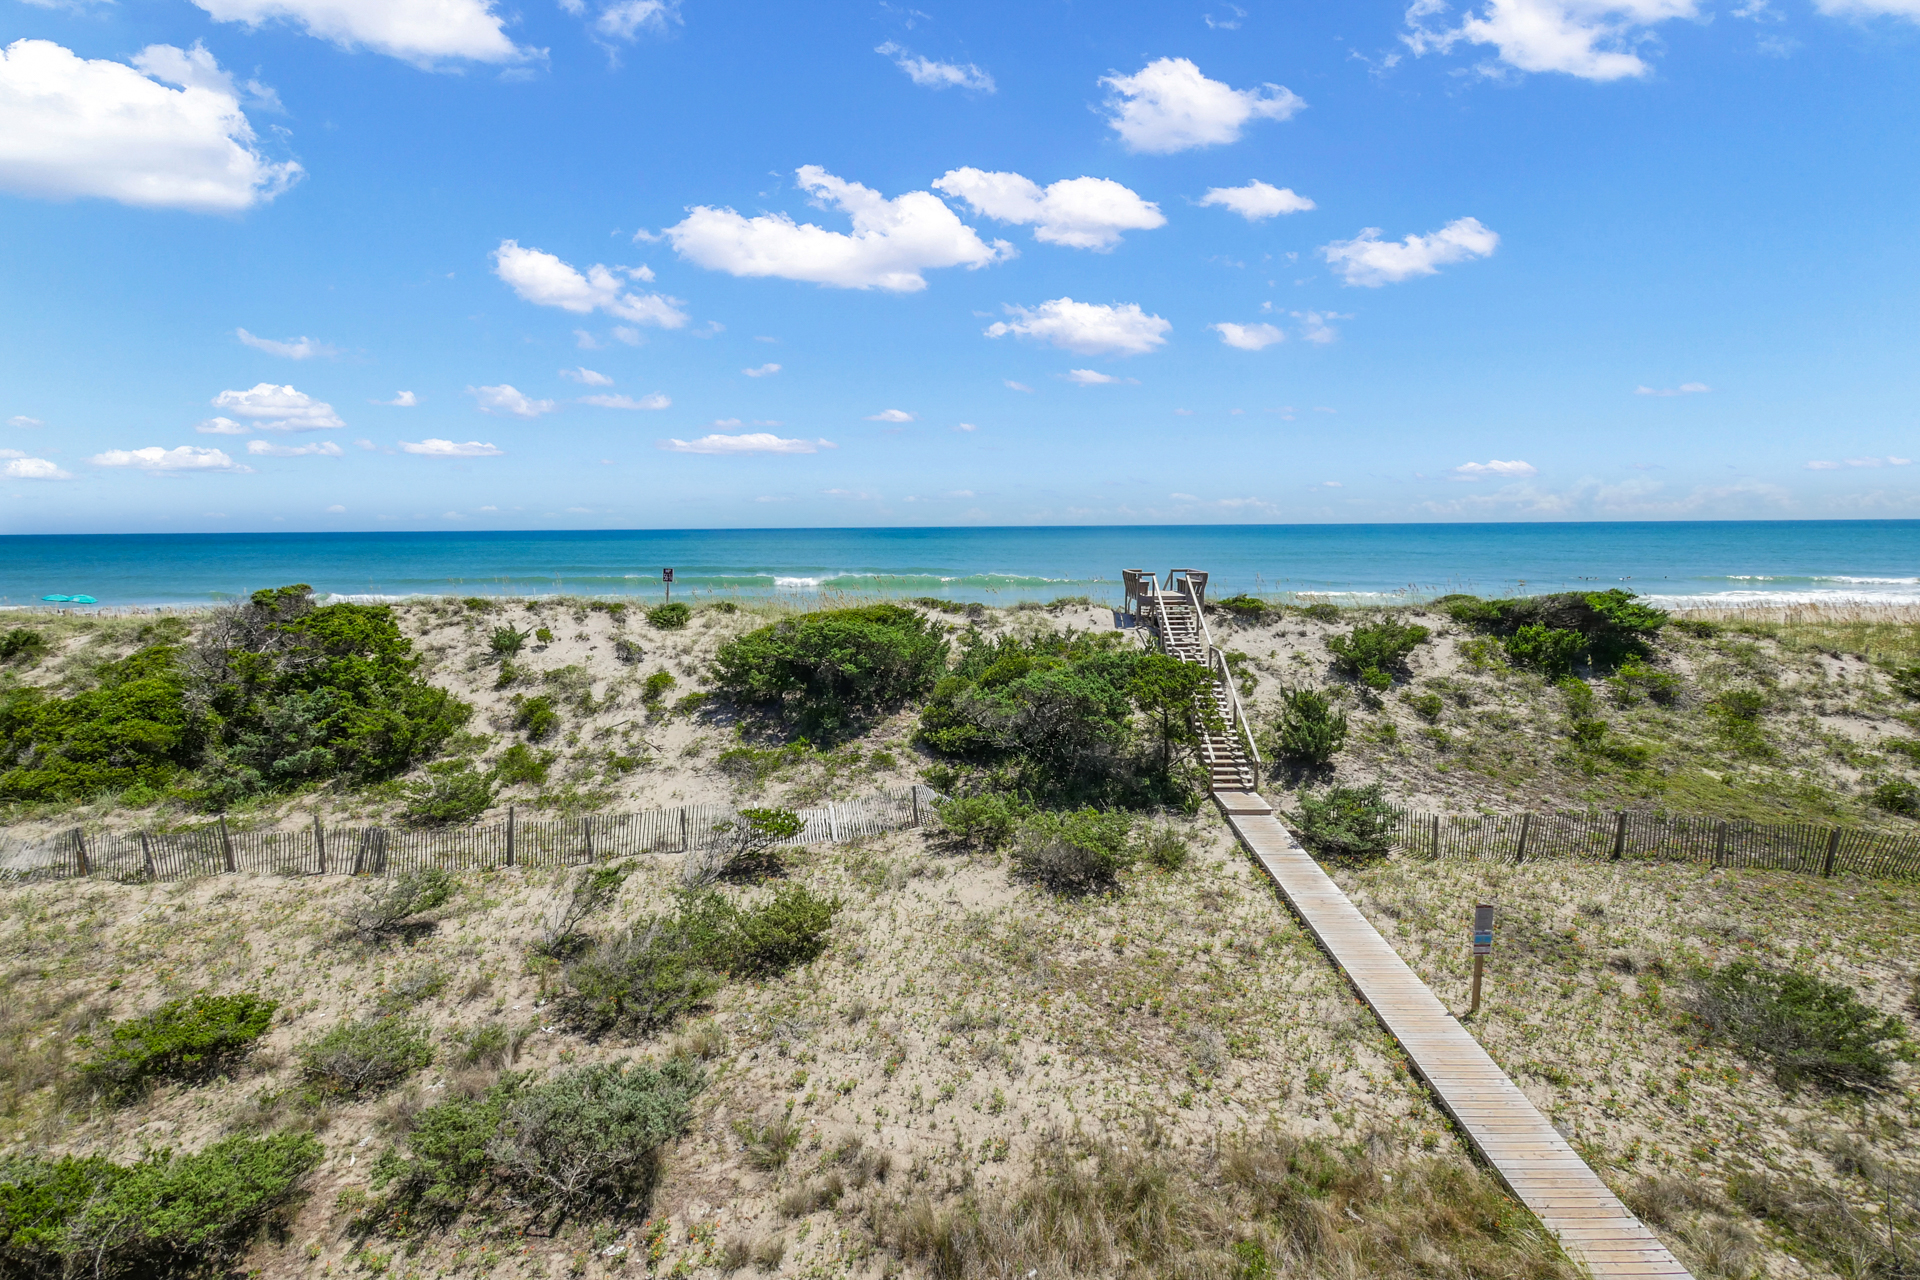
x=1552 y=651
x=1634 y=681
x=507 y=641
x=1374 y=651
x=489 y=1046
x=1165 y=847
x=746 y=847
x=656 y=687
x=1807 y=1028
x=1552 y=632
x=1321 y=611
x=543 y=634
x=1897 y=797
x=1737 y=712
x=983 y=823
x=518 y=765
x=1076 y=851
x=536 y=717
x=1426 y=705
x=828 y=672
x=453 y=791
x=165 y=1214
x=592 y=890
x=396 y=907
x=788 y=930
x=1346 y=822
x=184 y=1040
x=446 y=1161
x=1310 y=732
x=1245 y=607
x=359 y=1058
x=668 y=617
x=22 y=645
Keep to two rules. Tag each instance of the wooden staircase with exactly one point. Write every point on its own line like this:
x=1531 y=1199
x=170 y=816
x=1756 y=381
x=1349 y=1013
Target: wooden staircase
x=1175 y=616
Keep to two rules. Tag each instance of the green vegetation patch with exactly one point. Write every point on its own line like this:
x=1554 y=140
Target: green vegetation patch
x=1373 y=652
x=1346 y=822
x=668 y=617
x=185 y=1040
x=1553 y=632
x=1807 y=1028
x=356 y=1059
x=1075 y=852
x=828 y=673
x=1310 y=731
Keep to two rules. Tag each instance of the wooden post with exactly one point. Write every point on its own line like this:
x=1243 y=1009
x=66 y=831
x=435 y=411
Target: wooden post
x=510 y=809
x=360 y=854
x=1719 y=843
x=915 y=793
x=146 y=856
x=320 y=842
x=226 y=843
x=80 y=862
x=1620 y=837
x=1833 y=851
x=586 y=834
x=1526 y=825
x=1482 y=947
x=1436 y=836
x=686 y=832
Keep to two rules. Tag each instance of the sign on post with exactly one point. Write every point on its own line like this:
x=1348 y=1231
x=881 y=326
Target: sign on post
x=666 y=576
x=1482 y=947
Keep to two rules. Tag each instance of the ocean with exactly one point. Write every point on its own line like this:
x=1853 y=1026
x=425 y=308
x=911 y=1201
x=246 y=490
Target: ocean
x=1707 y=562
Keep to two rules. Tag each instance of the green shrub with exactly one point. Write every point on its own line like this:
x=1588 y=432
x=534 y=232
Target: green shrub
x=447 y=1159
x=1635 y=680
x=655 y=687
x=543 y=634
x=479 y=604
x=489 y=1045
x=1897 y=796
x=1426 y=705
x=1310 y=732
x=1245 y=607
x=165 y=1214
x=1607 y=626
x=668 y=617
x=358 y=1058
x=1076 y=851
x=536 y=717
x=721 y=606
x=1809 y=1029
x=1737 y=713
x=748 y=846
x=1165 y=847
x=507 y=641
x=985 y=823
x=828 y=672
x=395 y=907
x=518 y=765
x=1550 y=650
x=788 y=930
x=592 y=1136
x=638 y=981
x=593 y=889
x=23 y=645
x=1373 y=651
x=453 y=791
x=1346 y=822
x=133 y=728
x=1321 y=611
x=186 y=1040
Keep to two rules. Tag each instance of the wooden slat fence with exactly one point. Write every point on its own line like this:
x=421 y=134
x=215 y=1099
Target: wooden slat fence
x=216 y=848
x=1639 y=837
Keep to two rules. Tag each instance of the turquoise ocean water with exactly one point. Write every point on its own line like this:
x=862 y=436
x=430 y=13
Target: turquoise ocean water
x=1729 y=562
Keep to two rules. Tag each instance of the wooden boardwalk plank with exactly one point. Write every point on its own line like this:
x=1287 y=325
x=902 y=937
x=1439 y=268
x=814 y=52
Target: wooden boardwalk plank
x=1537 y=1165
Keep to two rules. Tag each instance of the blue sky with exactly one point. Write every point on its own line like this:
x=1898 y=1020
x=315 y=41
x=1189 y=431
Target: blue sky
x=410 y=264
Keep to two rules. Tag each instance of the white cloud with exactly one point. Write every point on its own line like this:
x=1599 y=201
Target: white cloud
x=423 y=32
x=506 y=398
x=1823 y=466
x=1248 y=337
x=586 y=377
x=1257 y=200
x=654 y=401
x=296 y=349
x=1314 y=326
x=764 y=371
x=1860 y=462
x=222 y=427
x=629 y=336
x=434 y=448
x=368 y=445
x=1018 y=386
x=1088 y=328
x=890 y=415
x=1869 y=8
x=546 y=281
x=1515 y=470
x=320 y=449
x=153 y=458
x=22 y=420
x=1369 y=261
x=279 y=409
x=32 y=469
x=624 y=18
x=335 y=509
x=80 y=127
x=1089 y=377
x=1169 y=106
x=1684 y=389
x=586 y=341
x=893 y=241
x=965 y=426
x=929 y=74
x=753 y=442
x=1081 y=213
x=1590 y=39
x=405 y=400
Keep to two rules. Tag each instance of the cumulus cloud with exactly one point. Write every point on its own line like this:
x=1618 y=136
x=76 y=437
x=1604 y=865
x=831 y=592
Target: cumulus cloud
x=1314 y=326
x=434 y=448
x=546 y=281
x=752 y=442
x=1860 y=462
x=654 y=401
x=319 y=449
x=1869 y=8
x=625 y=19
x=965 y=426
x=764 y=371
x=586 y=377
x=1684 y=389
x=1088 y=328
x=1169 y=106
x=278 y=409
x=405 y=400
x=1369 y=261
x=292 y=349
x=1590 y=39
x=1257 y=200
x=1081 y=213
x=222 y=427
x=1089 y=377
x=423 y=32
x=890 y=415
x=24 y=468
x=505 y=398
x=893 y=241
x=92 y=127
x=929 y=74
x=1248 y=337
x=1515 y=470
x=153 y=458
x=22 y=420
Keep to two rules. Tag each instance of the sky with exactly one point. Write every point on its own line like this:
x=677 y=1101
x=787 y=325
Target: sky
x=427 y=264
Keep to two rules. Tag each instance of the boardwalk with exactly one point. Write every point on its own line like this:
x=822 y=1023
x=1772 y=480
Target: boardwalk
x=1535 y=1162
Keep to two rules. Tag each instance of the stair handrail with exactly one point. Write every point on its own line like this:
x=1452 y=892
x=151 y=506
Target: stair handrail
x=1224 y=673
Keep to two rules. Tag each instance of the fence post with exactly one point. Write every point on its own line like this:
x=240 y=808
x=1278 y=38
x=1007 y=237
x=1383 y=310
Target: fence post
x=1719 y=843
x=226 y=843
x=686 y=832
x=80 y=862
x=1620 y=837
x=586 y=834
x=146 y=856
x=1833 y=851
x=320 y=842
x=915 y=793
x=1436 y=836
x=510 y=809
x=360 y=854
x=1526 y=825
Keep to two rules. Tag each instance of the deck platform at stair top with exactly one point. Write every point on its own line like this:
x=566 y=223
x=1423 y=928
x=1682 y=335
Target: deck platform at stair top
x=1538 y=1166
